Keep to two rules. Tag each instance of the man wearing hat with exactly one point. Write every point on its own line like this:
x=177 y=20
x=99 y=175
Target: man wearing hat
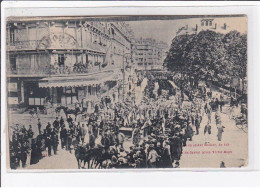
x=39 y=124
x=56 y=124
x=197 y=123
x=176 y=148
x=220 y=131
x=166 y=155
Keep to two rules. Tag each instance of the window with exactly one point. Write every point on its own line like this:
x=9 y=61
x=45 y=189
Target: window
x=210 y=23
x=12 y=63
x=202 y=23
x=12 y=36
x=207 y=23
x=61 y=59
x=86 y=58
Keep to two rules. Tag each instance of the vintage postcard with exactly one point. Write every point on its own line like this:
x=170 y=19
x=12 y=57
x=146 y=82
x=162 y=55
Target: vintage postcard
x=132 y=92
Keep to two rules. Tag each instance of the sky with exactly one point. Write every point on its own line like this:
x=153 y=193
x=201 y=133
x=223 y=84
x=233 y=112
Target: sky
x=165 y=30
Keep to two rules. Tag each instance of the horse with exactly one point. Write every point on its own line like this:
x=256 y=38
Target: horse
x=81 y=154
x=98 y=155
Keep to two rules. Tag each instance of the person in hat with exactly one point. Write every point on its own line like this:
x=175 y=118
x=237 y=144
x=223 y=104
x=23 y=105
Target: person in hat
x=69 y=120
x=25 y=150
x=39 y=124
x=220 y=128
x=197 y=123
x=56 y=124
x=63 y=137
x=55 y=141
x=176 y=148
x=29 y=135
x=48 y=128
x=207 y=132
x=61 y=122
x=217 y=117
x=166 y=155
x=222 y=165
x=48 y=140
x=209 y=115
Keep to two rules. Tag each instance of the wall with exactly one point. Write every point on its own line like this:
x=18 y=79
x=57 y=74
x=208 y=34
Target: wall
x=33 y=64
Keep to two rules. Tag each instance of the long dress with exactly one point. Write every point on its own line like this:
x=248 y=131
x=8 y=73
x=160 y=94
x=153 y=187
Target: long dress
x=220 y=131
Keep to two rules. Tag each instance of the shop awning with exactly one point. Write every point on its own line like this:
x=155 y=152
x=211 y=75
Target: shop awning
x=78 y=80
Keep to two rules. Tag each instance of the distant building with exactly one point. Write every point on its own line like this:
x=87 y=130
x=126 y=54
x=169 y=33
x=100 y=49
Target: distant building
x=150 y=54
x=205 y=24
x=64 y=60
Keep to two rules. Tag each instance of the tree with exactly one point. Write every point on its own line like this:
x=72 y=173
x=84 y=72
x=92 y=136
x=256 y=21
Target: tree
x=209 y=55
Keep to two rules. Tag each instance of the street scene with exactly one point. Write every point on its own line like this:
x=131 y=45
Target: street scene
x=99 y=93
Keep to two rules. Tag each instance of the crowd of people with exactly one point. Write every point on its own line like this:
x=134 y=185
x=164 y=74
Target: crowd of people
x=19 y=146
x=160 y=128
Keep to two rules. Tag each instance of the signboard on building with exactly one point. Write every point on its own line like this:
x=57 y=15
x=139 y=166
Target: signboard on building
x=235 y=82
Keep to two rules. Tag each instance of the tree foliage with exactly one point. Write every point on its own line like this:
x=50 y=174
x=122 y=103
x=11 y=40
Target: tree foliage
x=209 y=55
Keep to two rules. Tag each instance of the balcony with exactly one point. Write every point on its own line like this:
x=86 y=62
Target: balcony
x=96 y=46
x=78 y=68
x=23 y=45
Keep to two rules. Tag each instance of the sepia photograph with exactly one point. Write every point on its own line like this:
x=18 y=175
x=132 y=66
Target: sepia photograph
x=127 y=92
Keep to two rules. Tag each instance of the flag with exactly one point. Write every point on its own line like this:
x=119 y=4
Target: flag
x=108 y=57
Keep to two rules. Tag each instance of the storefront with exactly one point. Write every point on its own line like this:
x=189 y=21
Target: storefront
x=67 y=96
x=35 y=96
x=67 y=91
x=13 y=100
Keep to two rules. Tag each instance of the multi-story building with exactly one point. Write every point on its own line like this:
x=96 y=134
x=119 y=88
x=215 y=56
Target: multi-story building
x=205 y=24
x=64 y=60
x=149 y=53
x=163 y=49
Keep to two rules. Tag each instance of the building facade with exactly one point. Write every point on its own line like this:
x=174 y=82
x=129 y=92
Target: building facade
x=204 y=24
x=65 y=60
x=150 y=54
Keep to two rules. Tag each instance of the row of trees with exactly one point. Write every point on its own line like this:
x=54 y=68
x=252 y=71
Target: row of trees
x=209 y=55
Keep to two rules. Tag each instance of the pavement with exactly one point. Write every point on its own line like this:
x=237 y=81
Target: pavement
x=232 y=149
